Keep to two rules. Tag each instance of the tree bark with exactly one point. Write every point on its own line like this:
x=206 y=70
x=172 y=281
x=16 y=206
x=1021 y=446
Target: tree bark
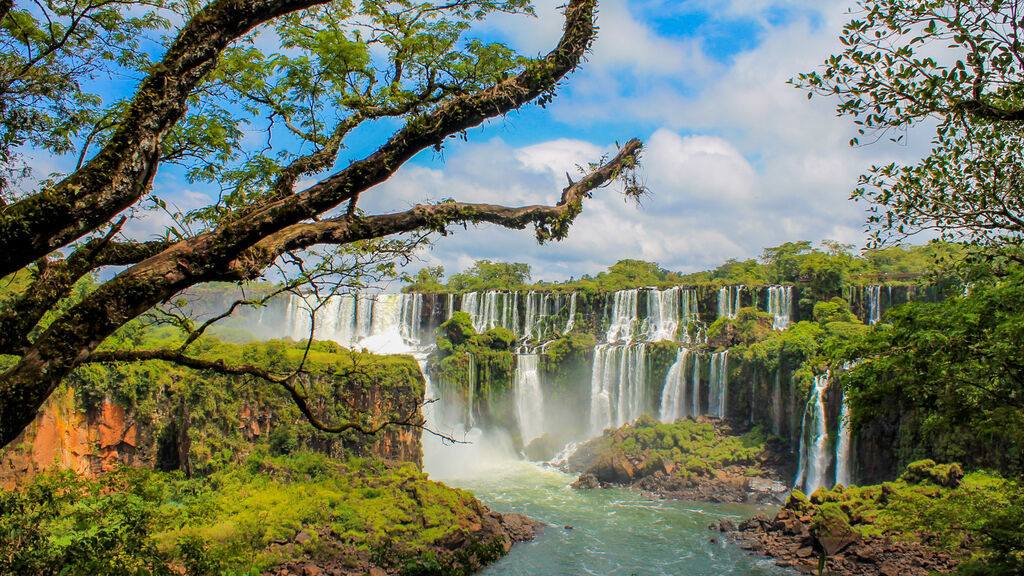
x=122 y=172
x=242 y=248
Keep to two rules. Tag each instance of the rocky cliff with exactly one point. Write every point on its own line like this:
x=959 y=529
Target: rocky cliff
x=166 y=417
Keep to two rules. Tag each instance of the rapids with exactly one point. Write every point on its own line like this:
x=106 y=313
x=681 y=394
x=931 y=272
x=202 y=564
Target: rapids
x=613 y=531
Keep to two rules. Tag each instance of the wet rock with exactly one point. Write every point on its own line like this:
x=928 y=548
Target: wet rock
x=586 y=481
x=542 y=449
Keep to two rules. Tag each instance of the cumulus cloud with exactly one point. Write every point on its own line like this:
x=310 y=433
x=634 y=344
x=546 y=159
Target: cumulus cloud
x=736 y=159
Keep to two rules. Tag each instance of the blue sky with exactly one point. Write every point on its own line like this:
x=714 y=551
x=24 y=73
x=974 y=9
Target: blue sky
x=736 y=159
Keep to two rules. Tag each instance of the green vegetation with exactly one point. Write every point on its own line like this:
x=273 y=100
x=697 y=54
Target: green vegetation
x=972 y=517
x=241 y=519
x=821 y=273
x=685 y=448
x=341 y=385
x=952 y=371
x=484 y=360
x=958 y=65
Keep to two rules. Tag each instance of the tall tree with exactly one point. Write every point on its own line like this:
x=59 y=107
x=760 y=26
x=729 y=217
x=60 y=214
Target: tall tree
x=960 y=65
x=336 y=66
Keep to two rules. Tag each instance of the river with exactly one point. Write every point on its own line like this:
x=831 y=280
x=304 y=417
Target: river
x=604 y=532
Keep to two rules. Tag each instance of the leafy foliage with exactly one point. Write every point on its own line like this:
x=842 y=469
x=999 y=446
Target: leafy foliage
x=955 y=365
x=487 y=275
x=690 y=448
x=968 y=518
x=139 y=521
x=956 y=62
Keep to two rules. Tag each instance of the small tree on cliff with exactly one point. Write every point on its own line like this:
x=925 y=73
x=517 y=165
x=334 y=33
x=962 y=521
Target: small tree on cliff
x=340 y=65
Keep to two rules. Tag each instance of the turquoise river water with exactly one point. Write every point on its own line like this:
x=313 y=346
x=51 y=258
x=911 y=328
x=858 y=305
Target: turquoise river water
x=613 y=531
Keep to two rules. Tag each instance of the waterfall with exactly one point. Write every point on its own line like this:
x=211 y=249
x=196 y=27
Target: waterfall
x=600 y=392
x=696 y=386
x=450 y=303
x=624 y=316
x=382 y=323
x=729 y=301
x=843 y=446
x=492 y=309
x=471 y=392
x=875 y=306
x=632 y=383
x=662 y=314
x=618 y=390
x=719 y=383
x=780 y=306
x=529 y=398
x=814 y=457
x=673 y=395
x=572 y=313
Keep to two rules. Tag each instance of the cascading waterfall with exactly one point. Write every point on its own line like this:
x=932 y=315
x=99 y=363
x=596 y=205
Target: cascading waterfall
x=572 y=314
x=491 y=309
x=729 y=301
x=617 y=385
x=383 y=323
x=529 y=398
x=780 y=306
x=662 y=314
x=619 y=375
x=632 y=383
x=471 y=392
x=673 y=395
x=696 y=386
x=875 y=305
x=719 y=383
x=624 y=316
x=843 y=446
x=600 y=392
x=814 y=456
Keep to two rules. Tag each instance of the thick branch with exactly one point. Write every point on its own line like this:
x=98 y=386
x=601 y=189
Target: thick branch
x=450 y=117
x=228 y=250
x=551 y=221
x=123 y=170
x=55 y=281
x=984 y=111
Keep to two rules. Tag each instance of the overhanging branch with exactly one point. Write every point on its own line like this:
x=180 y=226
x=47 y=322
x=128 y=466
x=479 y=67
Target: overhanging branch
x=552 y=222
x=287 y=381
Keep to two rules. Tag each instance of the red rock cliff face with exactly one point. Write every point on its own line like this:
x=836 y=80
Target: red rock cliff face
x=89 y=442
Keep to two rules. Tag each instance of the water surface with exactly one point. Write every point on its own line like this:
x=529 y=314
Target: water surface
x=613 y=531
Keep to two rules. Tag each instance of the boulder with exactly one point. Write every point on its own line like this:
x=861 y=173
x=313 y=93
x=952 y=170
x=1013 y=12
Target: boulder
x=586 y=482
x=542 y=449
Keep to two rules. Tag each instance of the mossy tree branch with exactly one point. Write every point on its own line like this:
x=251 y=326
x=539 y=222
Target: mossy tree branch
x=124 y=168
x=241 y=247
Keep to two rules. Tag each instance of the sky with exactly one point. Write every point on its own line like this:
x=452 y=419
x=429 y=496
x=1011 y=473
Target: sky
x=735 y=158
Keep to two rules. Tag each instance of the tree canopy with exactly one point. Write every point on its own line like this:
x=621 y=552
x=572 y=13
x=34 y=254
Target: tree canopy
x=256 y=99
x=953 y=64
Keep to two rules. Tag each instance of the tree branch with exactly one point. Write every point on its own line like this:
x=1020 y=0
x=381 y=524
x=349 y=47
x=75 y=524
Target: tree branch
x=123 y=170
x=230 y=249
x=552 y=222
x=450 y=117
x=412 y=419
x=55 y=280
